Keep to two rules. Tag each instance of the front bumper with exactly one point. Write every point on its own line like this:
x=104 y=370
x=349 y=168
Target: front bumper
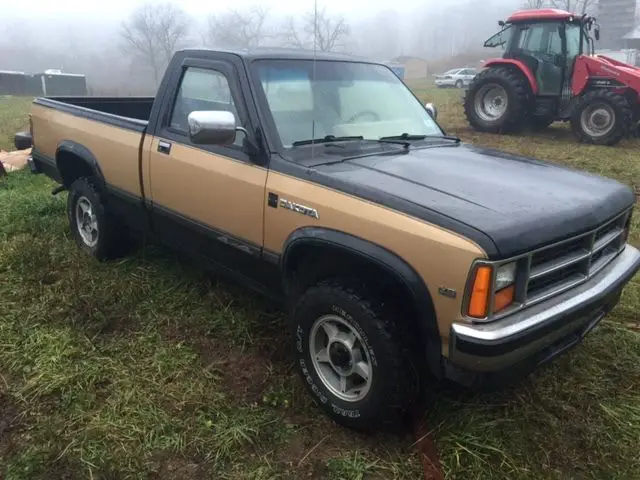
x=541 y=332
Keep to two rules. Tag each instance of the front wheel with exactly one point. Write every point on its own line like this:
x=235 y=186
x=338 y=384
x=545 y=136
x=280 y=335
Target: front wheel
x=351 y=356
x=601 y=117
x=459 y=84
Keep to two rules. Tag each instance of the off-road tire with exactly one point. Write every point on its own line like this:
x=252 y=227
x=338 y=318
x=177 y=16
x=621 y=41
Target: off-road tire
x=518 y=95
x=393 y=387
x=623 y=121
x=112 y=239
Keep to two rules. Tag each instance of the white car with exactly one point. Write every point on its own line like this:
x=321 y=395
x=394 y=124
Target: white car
x=458 y=77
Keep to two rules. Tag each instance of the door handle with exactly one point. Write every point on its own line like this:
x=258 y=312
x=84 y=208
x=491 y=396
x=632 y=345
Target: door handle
x=164 y=147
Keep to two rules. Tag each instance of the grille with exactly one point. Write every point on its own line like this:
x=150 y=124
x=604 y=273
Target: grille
x=559 y=267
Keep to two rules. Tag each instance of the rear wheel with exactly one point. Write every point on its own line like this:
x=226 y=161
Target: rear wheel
x=602 y=117
x=498 y=101
x=95 y=230
x=459 y=84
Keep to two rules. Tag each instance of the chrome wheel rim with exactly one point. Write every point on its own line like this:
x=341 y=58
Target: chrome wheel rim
x=340 y=358
x=597 y=120
x=491 y=102
x=87 y=222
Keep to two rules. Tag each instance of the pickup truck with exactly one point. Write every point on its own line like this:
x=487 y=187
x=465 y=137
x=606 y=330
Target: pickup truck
x=401 y=253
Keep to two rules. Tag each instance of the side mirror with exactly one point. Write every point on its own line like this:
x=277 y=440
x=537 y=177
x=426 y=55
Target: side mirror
x=432 y=110
x=215 y=127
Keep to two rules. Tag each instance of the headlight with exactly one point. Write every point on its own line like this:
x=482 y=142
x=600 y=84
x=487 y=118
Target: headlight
x=505 y=276
x=482 y=289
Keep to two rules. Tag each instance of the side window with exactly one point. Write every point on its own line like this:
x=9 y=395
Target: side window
x=555 y=43
x=531 y=39
x=500 y=39
x=202 y=89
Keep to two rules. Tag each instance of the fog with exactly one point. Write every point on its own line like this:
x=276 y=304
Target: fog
x=123 y=46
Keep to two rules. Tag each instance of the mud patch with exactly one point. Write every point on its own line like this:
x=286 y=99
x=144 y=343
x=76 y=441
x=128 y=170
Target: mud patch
x=179 y=469
x=9 y=424
x=244 y=373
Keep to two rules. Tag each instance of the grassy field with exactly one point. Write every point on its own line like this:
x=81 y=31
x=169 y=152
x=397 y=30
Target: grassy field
x=151 y=368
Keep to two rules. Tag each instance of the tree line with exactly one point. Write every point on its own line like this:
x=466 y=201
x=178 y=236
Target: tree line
x=155 y=31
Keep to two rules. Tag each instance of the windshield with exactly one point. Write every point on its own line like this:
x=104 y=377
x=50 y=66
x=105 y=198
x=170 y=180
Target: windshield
x=346 y=99
x=574 y=48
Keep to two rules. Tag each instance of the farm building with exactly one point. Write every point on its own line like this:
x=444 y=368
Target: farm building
x=49 y=83
x=617 y=19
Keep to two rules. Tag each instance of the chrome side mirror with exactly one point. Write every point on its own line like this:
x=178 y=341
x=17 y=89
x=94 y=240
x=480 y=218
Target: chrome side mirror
x=432 y=110
x=215 y=127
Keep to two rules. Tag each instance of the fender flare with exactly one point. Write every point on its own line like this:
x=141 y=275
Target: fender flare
x=386 y=260
x=520 y=66
x=87 y=157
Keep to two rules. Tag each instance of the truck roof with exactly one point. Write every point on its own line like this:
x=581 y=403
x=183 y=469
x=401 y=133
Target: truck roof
x=281 y=53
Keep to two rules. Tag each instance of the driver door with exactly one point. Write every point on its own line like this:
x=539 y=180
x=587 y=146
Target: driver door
x=206 y=199
x=539 y=46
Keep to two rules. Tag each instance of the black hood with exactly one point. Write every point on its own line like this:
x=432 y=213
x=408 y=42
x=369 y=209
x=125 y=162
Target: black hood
x=509 y=204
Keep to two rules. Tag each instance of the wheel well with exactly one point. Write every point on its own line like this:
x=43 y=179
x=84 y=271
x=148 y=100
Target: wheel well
x=72 y=166
x=518 y=68
x=306 y=265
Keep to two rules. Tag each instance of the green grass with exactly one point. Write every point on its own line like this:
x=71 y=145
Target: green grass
x=150 y=368
x=13 y=118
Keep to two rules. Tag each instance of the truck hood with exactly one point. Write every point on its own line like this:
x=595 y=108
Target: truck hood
x=519 y=203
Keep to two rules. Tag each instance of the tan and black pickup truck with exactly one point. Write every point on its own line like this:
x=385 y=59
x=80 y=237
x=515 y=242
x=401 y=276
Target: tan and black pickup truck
x=401 y=253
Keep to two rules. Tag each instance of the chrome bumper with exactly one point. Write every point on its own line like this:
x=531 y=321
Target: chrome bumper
x=547 y=329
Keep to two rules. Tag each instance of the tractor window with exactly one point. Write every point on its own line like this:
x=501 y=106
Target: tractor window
x=573 y=40
x=500 y=39
x=555 y=43
x=531 y=37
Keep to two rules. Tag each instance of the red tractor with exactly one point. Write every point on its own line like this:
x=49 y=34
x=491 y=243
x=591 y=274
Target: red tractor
x=549 y=72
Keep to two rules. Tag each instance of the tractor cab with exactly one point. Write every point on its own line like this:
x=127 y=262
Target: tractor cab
x=547 y=42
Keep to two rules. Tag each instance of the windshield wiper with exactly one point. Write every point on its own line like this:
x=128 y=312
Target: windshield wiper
x=451 y=138
x=404 y=136
x=407 y=137
x=327 y=139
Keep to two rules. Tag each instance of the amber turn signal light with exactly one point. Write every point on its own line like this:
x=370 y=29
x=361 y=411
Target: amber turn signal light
x=481 y=292
x=503 y=298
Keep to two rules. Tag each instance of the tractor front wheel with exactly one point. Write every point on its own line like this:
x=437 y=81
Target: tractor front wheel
x=498 y=100
x=601 y=117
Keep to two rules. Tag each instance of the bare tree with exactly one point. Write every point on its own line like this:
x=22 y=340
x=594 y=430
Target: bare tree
x=238 y=28
x=153 y=33
x=322 y=31
x=531 y=4
x=575 y=6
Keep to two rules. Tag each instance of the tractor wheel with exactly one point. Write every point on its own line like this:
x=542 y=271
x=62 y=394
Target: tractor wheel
x=602 y=117
x=498 y=101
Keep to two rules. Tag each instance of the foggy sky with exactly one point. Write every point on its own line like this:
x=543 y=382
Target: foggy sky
x=84 y=36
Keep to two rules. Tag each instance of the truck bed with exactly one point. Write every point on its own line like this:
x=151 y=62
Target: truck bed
x=134 y=111
x=102 y=127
